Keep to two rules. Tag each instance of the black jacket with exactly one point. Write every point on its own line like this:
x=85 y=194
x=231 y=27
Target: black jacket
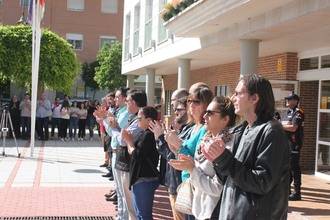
x=144 y=158
x=256 y=173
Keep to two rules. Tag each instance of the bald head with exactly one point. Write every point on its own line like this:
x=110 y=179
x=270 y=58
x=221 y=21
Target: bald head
x=178 y=94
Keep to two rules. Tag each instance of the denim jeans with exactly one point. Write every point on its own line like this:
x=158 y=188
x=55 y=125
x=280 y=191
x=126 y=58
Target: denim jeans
x=143 y=198
x=26 y=127
x=55 y=123
x=73 y=126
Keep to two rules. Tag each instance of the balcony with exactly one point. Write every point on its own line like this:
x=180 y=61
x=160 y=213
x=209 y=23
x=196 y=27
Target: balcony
x=203 y=17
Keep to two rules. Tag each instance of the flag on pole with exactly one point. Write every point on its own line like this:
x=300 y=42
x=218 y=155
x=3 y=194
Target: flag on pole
x=37 y=10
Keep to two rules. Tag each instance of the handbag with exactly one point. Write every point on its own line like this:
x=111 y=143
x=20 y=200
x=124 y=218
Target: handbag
x=184 y=198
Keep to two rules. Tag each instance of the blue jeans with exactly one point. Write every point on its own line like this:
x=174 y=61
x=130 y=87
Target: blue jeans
x=143 y=198
x=73 y=126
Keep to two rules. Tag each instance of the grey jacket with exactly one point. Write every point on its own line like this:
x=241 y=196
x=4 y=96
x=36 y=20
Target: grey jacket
x=255 y=173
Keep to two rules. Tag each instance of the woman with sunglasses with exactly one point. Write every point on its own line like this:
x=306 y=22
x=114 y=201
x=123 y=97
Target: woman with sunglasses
x=219 y=117
x=143 y=165
x=199 y=98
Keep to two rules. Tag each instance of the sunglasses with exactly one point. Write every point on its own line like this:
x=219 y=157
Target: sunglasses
x=210 y=112
x=179 y=109
x=195 y=101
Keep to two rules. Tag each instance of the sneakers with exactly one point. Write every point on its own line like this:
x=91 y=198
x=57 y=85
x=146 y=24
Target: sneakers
x=109 y=174
x=294 y=197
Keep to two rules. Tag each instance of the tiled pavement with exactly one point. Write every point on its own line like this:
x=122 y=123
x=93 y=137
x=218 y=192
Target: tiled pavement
x=64 y=179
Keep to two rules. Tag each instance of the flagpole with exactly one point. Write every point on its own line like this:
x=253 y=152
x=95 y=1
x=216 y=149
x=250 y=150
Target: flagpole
x=35 y=68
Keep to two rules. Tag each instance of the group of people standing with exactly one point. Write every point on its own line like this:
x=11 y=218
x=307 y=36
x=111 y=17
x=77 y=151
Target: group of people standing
x=232 y=151
x=69 y=118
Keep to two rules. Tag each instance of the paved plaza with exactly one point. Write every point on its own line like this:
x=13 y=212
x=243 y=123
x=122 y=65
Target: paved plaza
x=64 y=179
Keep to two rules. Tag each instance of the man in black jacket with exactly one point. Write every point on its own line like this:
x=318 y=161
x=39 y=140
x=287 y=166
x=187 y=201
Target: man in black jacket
x=256 y=171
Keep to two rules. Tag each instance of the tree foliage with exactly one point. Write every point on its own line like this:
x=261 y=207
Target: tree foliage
x=88 y=74
x=108 y=74
x=58 y=65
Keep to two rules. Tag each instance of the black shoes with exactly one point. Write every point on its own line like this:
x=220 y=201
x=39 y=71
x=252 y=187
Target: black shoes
x=112 y=199
x=294 y=197
x=104 y=165
x=109 y=174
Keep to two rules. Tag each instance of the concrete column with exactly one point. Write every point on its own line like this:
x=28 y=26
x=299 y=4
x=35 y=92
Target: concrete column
x=150 y=86
x=249 y=56
x=183 y=73
x=130 y=81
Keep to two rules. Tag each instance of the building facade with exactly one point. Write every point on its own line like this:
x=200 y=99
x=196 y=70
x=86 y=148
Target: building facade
x=215 y=42
x=86 y=24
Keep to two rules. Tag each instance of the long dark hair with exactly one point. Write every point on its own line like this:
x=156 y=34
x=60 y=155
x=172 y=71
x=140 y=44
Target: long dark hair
x=256 y=84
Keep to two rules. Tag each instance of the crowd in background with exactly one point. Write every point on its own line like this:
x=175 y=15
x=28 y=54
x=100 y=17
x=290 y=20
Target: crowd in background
x=69 y=118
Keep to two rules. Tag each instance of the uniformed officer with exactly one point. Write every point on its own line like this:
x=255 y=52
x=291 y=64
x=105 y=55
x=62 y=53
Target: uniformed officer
x=293 y=124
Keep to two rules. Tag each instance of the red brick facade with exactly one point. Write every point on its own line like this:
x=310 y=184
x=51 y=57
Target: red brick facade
x=275 y=67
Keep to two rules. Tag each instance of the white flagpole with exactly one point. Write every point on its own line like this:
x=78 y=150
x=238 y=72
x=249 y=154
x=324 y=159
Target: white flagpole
x=35 y=70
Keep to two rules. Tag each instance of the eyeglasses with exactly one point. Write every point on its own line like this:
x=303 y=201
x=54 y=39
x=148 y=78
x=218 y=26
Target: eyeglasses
x=195 y=101
x=139 y=118
x=179 y=109
x=210 y=112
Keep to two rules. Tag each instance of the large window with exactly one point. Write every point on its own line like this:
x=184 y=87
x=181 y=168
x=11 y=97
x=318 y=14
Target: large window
x=127 y=36
x=148 y=25
x=136 y=29
x=76 y=5
x=221 y=90
x=109 y=6
x=76 y=40
x=309 y=63
x=107 y=40
x=325 y=61
x=162 y=31
x=323 y=151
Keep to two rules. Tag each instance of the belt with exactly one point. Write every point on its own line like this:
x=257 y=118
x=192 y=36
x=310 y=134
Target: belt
x=118 y=149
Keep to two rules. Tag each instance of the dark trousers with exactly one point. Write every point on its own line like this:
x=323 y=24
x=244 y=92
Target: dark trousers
x=64 y=127
x=56 y=122
x=26 y=126
x=82 y=128
x=295 y=172
x=42 y=128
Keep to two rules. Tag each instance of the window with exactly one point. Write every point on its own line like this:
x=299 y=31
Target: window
x=109 y=6
x=136 y=29
x=168 y=107
x=76 y=5
x=76 y=40
x=325 y=61
x=309 y=63
x=162 y=31
x=221 y=90
x=127 y=36
x=23 y=3
x=107 y=40
x=148 y=25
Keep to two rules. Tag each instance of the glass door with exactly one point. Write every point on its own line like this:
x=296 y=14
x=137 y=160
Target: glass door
x=323 y=137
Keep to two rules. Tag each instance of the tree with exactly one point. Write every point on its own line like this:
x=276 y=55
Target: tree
x=88 y=74
x=58 y=65
x=108 y=74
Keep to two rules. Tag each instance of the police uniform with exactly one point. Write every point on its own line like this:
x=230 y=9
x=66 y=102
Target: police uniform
x=295 y=117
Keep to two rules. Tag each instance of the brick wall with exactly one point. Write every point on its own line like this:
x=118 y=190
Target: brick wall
x=279 y=66
x=309 y=104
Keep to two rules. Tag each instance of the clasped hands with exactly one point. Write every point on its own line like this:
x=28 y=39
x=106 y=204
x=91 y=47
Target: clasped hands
x=101 y=113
